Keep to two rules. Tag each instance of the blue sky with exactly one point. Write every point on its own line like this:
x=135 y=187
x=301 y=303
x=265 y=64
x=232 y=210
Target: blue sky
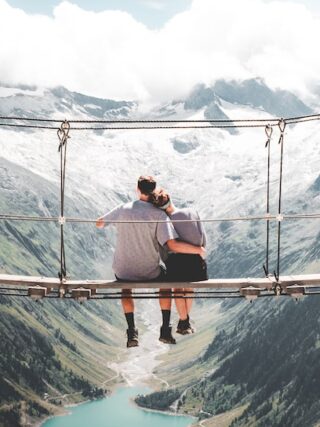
x=153 y=13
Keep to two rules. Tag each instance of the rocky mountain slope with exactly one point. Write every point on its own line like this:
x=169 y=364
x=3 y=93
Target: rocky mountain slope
x=220 y=173
x=52 y=352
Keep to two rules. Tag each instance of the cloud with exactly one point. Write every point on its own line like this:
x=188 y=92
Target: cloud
x=109 y=54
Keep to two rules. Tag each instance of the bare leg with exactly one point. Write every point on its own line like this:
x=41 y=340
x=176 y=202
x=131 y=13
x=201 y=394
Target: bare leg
x=127 y=301
x=165 y=303
x=184 y=307
x=189 y=301
x=181 y=304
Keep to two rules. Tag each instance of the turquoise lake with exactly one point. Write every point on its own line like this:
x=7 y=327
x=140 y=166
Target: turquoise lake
x=117 y=411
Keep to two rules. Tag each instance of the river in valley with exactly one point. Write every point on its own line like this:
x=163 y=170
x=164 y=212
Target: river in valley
x=135 y=367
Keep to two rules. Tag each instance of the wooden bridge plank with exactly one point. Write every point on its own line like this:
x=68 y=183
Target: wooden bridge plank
x=262 y=283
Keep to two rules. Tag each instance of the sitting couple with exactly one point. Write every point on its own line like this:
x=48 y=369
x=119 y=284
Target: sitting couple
x=142 y=248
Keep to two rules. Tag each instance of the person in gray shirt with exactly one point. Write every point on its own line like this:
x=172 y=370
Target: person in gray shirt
x=137 y=252
x=183 y=267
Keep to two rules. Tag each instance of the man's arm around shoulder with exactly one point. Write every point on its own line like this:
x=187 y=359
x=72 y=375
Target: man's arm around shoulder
x=185 y=248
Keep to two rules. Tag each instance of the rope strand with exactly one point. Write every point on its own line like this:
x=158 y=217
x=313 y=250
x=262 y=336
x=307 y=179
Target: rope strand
x=71 y=220
x=282 y=127
x=271 y=121
x=268 y=131
x=63 y=135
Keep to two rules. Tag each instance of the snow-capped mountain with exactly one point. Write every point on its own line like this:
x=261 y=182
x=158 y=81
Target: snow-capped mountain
x=218 y=172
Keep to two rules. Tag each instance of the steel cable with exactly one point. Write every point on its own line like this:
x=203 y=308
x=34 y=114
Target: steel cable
x=73 y=220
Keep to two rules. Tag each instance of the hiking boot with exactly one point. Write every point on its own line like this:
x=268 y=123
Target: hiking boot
x=184 y=327
x=166 y=335
x=133 y=340
x=193 y=330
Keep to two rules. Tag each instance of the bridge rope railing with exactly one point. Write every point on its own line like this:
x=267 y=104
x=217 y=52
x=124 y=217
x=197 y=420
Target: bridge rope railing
x=268 y=131
x=75 y=220
x=63 y=134
x=124 y=124
x=269 y=120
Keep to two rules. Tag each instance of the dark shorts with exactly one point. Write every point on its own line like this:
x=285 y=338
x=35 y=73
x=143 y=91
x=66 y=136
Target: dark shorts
x=186 y=268
x=161 y=278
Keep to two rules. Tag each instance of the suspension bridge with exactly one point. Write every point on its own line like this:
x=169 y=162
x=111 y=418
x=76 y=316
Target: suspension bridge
x=63 y=287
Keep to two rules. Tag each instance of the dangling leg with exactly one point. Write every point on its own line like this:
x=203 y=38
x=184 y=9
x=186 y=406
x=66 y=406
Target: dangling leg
x=128 y=309
x=183 y=308
x=181 y=304
x=189 y=301
x=165 y=305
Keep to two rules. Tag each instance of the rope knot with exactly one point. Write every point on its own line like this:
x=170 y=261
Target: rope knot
x=268 y=130
x=282 y=125
x=61 y=220
x=63 y=133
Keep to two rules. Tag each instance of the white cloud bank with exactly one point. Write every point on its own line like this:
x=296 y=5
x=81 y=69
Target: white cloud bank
x=109 y=54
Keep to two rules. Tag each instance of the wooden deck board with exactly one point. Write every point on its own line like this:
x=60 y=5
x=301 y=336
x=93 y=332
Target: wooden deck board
x=310 y=280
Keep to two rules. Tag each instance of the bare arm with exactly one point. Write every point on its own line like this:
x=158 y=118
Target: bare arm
x=185 y=248
x=110 y=216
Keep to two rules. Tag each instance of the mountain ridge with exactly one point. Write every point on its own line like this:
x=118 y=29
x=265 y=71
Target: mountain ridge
x=219 y=173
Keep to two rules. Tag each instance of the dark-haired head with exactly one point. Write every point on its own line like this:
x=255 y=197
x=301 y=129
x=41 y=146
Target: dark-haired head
x=160 y=199
x=146 y=184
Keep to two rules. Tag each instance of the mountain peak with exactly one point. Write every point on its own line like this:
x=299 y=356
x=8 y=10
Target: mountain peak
x=255 y=93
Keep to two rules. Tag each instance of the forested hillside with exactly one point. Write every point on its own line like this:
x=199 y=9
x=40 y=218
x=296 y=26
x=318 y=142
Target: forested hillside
x=267 y=360
x=270 y=360
x=53 y=351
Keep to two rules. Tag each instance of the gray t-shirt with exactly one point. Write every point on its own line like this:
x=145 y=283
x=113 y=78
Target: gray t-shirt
x=137 y=254
x=190 y=232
